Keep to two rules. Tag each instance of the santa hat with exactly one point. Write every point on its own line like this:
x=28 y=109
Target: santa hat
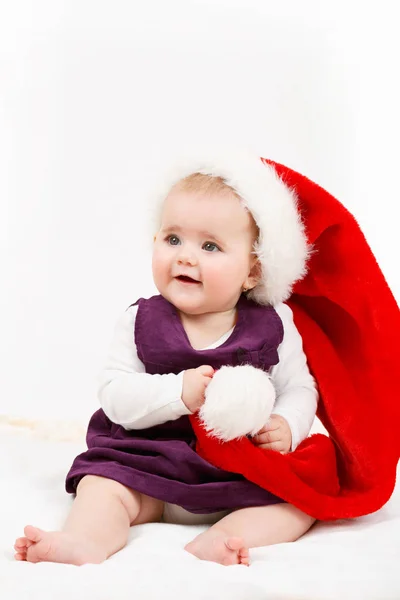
x=350 y=326
x=282 y=246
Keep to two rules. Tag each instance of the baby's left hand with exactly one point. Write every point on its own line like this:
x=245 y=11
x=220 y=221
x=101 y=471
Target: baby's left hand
x=276 y=435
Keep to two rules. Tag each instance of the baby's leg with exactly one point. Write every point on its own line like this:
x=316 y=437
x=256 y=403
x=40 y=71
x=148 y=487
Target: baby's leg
x=97 y=526
x=228 y=541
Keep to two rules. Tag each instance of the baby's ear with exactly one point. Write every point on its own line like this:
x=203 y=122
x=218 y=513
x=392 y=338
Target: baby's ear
x=254 y=275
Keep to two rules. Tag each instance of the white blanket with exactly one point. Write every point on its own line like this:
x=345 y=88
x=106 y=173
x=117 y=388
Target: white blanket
x=347 y=560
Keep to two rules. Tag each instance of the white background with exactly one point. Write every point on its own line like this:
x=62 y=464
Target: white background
x=93 y=94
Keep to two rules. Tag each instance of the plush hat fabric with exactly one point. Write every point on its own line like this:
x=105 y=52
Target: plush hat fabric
x=350 y=325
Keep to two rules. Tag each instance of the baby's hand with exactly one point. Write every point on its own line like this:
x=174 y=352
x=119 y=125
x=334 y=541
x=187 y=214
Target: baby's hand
x=274 y=436
x=195 y=382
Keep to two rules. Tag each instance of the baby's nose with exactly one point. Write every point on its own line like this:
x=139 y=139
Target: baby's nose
x=187 y=257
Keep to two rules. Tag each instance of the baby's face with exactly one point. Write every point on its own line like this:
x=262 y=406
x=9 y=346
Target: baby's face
x=202 y=254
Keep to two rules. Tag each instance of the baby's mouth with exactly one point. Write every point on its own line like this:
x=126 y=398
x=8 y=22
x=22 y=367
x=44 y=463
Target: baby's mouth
x=186 y=279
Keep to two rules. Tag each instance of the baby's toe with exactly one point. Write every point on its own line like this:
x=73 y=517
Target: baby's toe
x=33 y=534
x=22 y=544
x=244 y=557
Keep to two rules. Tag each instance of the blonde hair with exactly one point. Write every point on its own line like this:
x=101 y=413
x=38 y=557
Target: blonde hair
x=199 y=182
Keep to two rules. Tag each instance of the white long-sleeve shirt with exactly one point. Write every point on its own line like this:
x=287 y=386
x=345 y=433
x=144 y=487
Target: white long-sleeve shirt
x=136 y=400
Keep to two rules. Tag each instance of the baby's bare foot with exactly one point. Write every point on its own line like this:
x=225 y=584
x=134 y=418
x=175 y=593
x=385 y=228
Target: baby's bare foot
x=56 y=546
x=216 y=546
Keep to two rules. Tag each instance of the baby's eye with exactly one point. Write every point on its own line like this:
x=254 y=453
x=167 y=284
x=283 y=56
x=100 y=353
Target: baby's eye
x=173 y=240
x=210 y=247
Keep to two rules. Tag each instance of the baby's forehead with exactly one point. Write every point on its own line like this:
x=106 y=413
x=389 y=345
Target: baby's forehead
x=215 y=209
x=210 y=202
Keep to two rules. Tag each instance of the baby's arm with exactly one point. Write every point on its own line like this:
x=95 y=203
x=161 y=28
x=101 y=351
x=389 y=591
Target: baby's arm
x=296 y=390
x=128 y=395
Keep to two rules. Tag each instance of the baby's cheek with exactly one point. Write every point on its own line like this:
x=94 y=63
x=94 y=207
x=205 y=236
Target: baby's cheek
x=224 y=272
x=216 y=278
x=160 y=262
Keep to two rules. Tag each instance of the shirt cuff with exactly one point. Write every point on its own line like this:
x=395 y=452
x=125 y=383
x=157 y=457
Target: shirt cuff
x=178 y=407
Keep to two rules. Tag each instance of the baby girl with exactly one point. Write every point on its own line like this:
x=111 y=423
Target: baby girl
x=223 y=267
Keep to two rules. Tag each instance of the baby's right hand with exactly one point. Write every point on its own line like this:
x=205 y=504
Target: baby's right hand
x=194 y=386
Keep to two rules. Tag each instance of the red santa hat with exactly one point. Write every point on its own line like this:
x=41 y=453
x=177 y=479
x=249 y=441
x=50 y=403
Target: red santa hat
x=350 y=325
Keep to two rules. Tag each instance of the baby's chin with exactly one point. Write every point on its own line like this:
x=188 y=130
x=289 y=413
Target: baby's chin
x=189 y=303
x=189 y=306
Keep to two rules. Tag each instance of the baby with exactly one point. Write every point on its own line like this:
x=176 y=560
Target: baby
x=141 y=466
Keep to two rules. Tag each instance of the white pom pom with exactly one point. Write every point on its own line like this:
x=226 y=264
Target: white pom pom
x=239 y=402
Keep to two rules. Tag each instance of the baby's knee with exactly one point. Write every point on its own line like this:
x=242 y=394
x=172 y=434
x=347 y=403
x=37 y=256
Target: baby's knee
x=104 y=487
x=140 y=508
x=89 y=482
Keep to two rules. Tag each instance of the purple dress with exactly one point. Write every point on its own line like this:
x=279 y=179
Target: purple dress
x=161 y=461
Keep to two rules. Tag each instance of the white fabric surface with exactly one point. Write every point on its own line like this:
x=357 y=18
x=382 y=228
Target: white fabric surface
x=352 y=560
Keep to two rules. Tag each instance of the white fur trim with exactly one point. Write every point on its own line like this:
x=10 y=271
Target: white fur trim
x=282 y=248
x=239 y=402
